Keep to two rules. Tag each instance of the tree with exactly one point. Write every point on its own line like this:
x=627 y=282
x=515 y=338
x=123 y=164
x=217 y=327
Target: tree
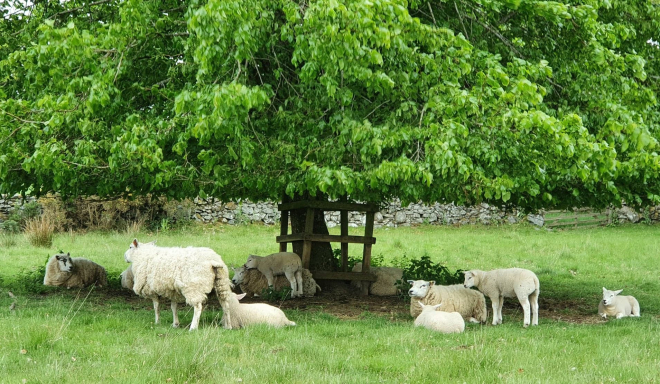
x=529 y=103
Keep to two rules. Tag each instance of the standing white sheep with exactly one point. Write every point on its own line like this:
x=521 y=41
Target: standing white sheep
x=386 y=277
x=73 y=272
x=512 y=282
x=617 y=306
x=180 y=275
x=469 y=303
x=445 y=322
x=281 y=263
x=252 y=282
x=243 y=315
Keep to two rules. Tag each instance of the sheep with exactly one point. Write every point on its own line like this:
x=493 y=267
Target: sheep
x=247 y=314
x=469 y=303
x=127 y=278
x=73 y=272
x=281 y=263
x=511 y=282
x=252 y=282
x=386 y=277
x=445 y=322
x=180 y=275
x=618 y=306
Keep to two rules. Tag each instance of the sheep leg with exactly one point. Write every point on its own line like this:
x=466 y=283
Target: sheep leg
x=156 y=310
x=269 y=278
x=175 y=315
x=299 y=280
x=534 y=301
x=292 y=280
x=196 y=315
x=496 y=310
x=524 y=302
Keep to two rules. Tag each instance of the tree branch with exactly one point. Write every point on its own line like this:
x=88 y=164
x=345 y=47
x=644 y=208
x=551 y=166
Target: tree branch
x=78 y=8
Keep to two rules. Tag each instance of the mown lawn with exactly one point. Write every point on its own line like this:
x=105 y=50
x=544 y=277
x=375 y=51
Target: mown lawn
x=108 y=336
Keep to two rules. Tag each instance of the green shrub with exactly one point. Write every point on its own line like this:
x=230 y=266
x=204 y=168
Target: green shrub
x=425 y=269
x=376 y=261
x=273 y=295
x=10 y=226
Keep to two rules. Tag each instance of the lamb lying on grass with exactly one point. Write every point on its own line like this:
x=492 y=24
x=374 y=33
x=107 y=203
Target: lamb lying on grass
x=180 y=275
x=445 y=322
x=386 y=277
x=252 y=282
x=617 y=306
x=276 y=264
x=511 y=282
x=469 y=303
x=243 y=315
x=76 y=272
x=127 y=278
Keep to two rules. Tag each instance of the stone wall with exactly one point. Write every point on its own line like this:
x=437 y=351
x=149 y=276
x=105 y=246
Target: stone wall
x=391 y=215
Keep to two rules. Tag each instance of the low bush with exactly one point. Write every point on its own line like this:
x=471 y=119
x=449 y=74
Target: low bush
x=424 y=269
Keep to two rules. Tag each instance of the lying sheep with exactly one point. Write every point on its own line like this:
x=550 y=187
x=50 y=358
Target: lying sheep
x=127 y=278
x=617 y=306
x=180 y=275
x=252 y=282
x=76 y=272
x=276 y=264
x=386 y=277
x=445 y=322
x=512 y=282
x=469 y=303
x=243 y=315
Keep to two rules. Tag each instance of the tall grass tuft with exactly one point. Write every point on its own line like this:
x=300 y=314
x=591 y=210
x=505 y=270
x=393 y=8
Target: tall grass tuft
x=7 y=240
x=39 y=231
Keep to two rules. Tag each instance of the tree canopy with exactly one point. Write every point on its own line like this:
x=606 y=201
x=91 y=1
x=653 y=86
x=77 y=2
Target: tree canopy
x=523 y=102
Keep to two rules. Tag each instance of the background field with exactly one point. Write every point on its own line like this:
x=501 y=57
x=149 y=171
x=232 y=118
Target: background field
x=106 y=335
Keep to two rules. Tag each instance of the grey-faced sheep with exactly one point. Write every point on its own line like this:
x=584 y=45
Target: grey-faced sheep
x=386 y=277
x=512 y=282
x=73 y=272
x=252 y=282
x=617 y=306
x=243 y=315
x=439 y=321
x=469 y=303
x=180 y=275
x=281 y=263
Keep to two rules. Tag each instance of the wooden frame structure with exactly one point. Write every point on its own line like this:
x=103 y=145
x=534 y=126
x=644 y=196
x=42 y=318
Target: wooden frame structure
x=308 y=237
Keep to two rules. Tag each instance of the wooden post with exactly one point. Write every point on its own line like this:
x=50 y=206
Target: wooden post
x=284 y=229
x=344 y=246
x=366 y=255
x=309 y=230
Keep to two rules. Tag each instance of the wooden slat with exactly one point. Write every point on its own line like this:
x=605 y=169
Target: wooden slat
x=284 y=228
x=366 y=255
x=326 y=238
x=579 y=223
x=344 y=234
x=328 y=206
x=324 y=275
x=309 y=229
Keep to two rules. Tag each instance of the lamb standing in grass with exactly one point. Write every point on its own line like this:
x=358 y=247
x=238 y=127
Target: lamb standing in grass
x=469 y=303
x=252 y=282
x=73 y=272
x=386 y=277
x=617 y=306
x=243 y=315
x=281 y=263
x=180 y=275
x=512 y=282
x=445 y=322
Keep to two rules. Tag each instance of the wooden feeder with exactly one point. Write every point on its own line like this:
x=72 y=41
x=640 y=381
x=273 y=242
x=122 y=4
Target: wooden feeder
x=308 y=237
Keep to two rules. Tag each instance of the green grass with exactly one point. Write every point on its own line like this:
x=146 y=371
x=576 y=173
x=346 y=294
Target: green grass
x=92 y=336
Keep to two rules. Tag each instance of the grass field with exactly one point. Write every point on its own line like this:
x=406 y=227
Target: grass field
x=92 y=336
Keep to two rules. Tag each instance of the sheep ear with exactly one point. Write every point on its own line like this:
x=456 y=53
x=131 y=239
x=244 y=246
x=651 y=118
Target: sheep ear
x=431 y=283
x=604 y=289
x=617 y=292
x=411 y=282
x=421 y=305
x=436 y=306
x=242 y=295
x=68 y=254
x=135 y=243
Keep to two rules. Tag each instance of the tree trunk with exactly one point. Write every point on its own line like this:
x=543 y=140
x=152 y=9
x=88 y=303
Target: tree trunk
x=321 y=258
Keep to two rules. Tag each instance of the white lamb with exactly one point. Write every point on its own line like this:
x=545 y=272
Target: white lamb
x=127 y=278
x=252 y=282
x=445 y=322
x=617 y=306
x=243 y=315
x=386 y=277
x=276 y=264
x=73 y=272
x=469 y=303
x=511 y=282
x=180 y=275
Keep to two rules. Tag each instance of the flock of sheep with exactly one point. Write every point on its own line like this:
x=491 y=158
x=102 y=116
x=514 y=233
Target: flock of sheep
x=188 y=275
